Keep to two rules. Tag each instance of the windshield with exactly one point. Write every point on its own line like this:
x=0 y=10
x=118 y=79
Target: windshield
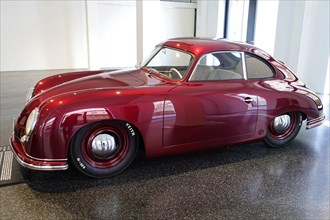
x=171 y=63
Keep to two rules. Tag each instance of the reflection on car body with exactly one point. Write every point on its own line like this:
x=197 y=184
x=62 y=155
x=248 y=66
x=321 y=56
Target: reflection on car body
x=190 y=94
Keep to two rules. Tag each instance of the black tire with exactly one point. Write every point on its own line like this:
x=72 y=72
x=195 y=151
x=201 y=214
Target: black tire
x=277 y=137
x=104 y=149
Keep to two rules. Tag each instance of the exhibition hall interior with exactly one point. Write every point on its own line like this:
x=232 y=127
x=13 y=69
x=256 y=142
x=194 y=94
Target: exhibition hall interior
x=103 y=117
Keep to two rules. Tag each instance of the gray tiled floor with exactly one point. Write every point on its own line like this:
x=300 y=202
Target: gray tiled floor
x=244 y=182
x=14 y=87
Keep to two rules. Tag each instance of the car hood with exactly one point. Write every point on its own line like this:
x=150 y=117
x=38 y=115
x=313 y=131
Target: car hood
x=108 y=80
x=118 y=78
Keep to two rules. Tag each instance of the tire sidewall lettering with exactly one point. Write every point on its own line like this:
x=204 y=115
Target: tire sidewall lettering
x=129 y=127
x=81 y=164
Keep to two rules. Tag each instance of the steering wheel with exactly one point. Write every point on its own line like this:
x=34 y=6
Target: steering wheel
x=154 y=70
x=177 y=72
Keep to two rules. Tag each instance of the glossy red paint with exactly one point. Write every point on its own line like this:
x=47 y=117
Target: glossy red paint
x=171 y=116
x=55 y=80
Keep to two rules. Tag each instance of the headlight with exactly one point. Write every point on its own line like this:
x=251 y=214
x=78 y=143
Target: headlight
x=31 y=121
x=317 y=100
x=29 y=94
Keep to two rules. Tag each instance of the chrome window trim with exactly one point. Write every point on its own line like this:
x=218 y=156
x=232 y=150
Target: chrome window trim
x=221 y=51
x=263 y=60
x=244 y=66
x=193 y=58
x=192 y=72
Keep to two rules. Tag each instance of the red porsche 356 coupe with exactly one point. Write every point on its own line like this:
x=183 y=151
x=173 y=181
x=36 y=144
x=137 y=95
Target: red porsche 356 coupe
x=190 y=94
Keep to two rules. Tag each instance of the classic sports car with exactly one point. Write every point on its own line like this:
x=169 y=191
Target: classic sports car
x=190 y=94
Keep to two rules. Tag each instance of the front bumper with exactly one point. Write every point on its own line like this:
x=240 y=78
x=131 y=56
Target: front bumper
x=34 y=163
x=315 y=122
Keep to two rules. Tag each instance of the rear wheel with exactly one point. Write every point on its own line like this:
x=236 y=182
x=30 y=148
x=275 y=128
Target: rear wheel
x=104 y=149
x=283 y=129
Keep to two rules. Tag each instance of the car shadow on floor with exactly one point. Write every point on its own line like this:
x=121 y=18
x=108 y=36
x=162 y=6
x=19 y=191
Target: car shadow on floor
x=142 y=169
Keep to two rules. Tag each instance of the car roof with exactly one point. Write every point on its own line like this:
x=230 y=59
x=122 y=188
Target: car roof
x=207 y=45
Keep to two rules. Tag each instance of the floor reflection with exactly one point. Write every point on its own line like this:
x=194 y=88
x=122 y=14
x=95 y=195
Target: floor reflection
x=248 y=181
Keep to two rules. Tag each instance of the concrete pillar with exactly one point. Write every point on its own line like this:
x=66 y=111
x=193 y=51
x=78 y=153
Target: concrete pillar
x=210 y=18
x=313 y=65
x=288 y=33
x=92 y=23
x=147 y=18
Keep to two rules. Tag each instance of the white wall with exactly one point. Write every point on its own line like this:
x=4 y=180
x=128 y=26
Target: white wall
x=161 y=21
x=237 y=20
x=314 y=58
x=265 y=27
x=181 y=17
x=210 y=18
x=81 y=34
x=42 y=35
x=295 y=32
x=302 y=40
x=288 y=32
x=117 y=33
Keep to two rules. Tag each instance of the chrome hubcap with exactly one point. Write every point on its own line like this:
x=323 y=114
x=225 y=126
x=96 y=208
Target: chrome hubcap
x=282 y=123
x=104 y=145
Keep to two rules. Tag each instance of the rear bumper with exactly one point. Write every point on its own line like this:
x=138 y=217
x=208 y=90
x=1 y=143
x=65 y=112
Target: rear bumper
x=315 y=122
x=34 y=163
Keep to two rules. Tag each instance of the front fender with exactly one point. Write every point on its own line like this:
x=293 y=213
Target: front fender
x=62 y=116
x=55 y=131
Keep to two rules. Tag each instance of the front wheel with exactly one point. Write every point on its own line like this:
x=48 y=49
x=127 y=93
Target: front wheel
x=283 y=129
x=104 y=149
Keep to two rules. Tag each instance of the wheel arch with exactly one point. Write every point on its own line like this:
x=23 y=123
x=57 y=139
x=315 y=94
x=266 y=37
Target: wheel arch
x=265 y=118
x=138 y=133
x=284 y=128
x=111 y=154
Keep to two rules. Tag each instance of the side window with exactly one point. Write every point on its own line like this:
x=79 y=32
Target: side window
x=257 y=68
x=218 y=66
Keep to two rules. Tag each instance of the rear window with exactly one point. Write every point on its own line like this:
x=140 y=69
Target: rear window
x=257 y=68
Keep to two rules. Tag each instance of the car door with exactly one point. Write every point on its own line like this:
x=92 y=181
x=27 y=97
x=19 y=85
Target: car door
x=217 y=104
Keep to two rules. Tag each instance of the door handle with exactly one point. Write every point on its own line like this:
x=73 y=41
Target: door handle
x=248 y=100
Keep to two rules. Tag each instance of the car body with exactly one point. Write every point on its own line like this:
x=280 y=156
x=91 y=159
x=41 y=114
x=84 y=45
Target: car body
x=190 y=94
